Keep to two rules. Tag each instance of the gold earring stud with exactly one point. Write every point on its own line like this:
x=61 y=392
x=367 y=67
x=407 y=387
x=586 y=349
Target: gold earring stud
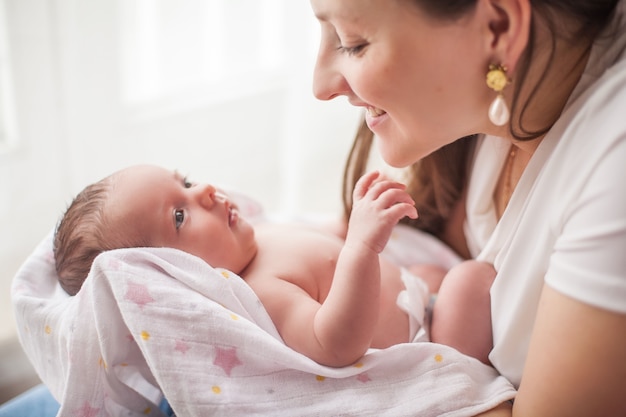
x=497 y=80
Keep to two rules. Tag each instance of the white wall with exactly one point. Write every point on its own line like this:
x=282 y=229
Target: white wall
x=265 y=135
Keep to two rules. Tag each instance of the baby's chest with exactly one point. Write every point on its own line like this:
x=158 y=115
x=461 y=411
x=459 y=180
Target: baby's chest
x=306 y=260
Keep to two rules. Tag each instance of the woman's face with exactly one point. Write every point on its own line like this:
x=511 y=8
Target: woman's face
x=421 y=79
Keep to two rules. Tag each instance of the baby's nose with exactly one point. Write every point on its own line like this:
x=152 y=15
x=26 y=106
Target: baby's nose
x=207 y=195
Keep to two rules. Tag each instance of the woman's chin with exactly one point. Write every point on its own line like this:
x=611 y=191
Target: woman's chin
x=393 y=158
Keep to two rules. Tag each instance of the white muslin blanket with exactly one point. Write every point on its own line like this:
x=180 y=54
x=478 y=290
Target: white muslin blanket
x=150 y=322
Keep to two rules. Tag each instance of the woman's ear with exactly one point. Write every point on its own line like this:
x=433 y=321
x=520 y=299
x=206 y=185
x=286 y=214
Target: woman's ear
x=507 y=25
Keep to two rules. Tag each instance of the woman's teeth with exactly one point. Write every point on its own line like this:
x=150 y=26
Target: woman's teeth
x=375 y=112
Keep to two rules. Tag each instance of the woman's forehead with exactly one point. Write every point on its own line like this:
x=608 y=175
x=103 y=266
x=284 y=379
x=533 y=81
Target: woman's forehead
x=347 y=10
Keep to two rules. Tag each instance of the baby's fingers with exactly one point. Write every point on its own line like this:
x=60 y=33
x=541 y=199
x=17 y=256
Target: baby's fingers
x=381 y=193
x=402 y=209
x=395 y=201
x=373 y=184
x=364 y=183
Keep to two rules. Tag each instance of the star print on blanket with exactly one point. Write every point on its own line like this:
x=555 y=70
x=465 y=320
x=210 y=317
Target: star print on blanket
x=154 y=321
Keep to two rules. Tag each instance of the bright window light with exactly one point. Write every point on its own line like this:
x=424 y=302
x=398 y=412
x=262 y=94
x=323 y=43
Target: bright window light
x=7 y=119
x=174 y=47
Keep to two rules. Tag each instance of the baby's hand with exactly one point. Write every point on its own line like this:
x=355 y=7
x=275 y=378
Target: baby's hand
x=378 y=205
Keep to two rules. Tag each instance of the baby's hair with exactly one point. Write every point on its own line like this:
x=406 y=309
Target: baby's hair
x=80 y=235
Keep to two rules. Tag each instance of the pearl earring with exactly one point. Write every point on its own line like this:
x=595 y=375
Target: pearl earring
x=497 y=80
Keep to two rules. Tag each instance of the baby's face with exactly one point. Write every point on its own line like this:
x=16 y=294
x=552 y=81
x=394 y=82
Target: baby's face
x=152 y=202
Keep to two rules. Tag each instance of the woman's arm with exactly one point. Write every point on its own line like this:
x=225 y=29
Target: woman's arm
x=576 y=364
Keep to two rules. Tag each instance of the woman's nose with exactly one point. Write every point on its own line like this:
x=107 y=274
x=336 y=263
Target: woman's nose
x=328 y=82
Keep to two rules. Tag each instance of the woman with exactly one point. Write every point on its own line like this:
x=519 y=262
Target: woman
x=537 y=91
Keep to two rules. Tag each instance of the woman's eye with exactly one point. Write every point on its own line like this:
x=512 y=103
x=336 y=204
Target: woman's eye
x=352 y=50
x=179 y=218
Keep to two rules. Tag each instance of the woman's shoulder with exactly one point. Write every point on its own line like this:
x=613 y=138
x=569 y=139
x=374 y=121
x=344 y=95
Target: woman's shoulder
x=596 y=113
x=602 y=85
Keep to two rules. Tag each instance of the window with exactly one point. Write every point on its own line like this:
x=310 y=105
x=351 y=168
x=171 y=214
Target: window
x=185 y=47
x=7 y=132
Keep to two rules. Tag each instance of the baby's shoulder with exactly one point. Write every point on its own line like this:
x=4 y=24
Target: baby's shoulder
x=296 y=254
x=295 y=236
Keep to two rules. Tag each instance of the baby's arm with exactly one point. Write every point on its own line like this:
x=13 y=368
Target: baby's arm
x=345 y=323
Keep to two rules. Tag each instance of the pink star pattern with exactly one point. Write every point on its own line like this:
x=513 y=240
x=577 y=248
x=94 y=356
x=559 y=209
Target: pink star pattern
x=115 y=264
x=226 y=359
x=364 y=377
x=86 y=411
x=21 y=288
x=181 y=346
x=138 y=294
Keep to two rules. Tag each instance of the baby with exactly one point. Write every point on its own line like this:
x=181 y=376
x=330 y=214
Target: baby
x=330 y=299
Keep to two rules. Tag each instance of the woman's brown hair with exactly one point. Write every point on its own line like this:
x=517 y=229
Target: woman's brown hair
x=435 y=182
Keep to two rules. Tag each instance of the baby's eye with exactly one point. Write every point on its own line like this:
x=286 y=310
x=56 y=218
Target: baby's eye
x=179 y=218
x=187 y=183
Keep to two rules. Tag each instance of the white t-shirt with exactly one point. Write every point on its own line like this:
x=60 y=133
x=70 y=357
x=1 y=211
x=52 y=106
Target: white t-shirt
x=565 y=224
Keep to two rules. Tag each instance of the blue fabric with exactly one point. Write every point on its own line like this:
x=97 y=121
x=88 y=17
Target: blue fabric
x=38 y=402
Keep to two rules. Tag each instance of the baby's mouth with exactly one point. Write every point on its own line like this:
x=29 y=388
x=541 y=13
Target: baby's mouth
x=233 y=215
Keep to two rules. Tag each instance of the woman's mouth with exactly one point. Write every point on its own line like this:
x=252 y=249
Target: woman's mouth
x=375 y=112
x=374 y=116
